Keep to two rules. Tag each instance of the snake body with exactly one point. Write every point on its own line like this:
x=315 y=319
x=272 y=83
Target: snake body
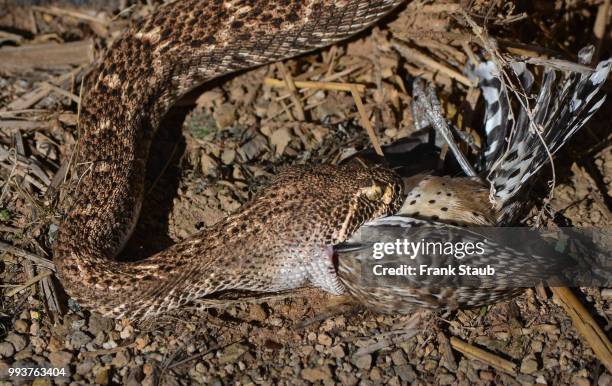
x=278 y=240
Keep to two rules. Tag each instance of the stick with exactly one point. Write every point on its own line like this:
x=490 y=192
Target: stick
x=365 y=121
x=585 y=324
x=484 y=356
x=28 y=283
x=413 y=54
x=27 y=255
x=318 y=85
x=46 y=55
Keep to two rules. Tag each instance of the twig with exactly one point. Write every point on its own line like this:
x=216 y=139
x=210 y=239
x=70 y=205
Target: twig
x=318 y=85
x=290 y=84
x=28 y=283
x=365 y=121
x=474 y=352
x=413 y=54
x=4 y=247
x=586 y=325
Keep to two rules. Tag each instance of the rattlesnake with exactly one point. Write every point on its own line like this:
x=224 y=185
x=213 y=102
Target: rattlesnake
x=281 y=238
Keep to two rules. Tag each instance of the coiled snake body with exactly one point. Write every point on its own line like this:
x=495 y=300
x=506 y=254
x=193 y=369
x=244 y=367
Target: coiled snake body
x=279 y=239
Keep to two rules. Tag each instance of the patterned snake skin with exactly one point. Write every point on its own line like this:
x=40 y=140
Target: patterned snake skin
x=261 y=248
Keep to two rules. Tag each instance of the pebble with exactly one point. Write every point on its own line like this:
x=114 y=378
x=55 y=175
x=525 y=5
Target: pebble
x=363 y=362
x=99 y=324
x=398 y=358
x=257 y=313
x=405 y=372
x=605 y=379
x=316 y=374
x=79 y=339
x=21 y=326
x=109 y=344
x=232 y=353
x=338 y=351
x=208 y=165
x=60 y=358
x=18 y=341
x=127 y=332
x=375 y=374
x=529 y=366
x=84 y=367
x=102 y=377
x=6 y=349
x=446 y=379
x=324 y=339
x=34 y=328
x=121 y=359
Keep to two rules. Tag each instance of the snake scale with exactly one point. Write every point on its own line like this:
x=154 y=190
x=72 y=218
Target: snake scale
x=277 y=241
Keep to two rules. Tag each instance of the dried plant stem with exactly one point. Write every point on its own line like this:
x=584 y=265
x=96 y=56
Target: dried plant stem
x=492 y=360
x=334 y=86
x=586 y=325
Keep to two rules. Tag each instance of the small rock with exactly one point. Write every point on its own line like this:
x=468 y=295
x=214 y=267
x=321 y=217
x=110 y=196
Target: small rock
x=208 y=165
x=120 y=360
x=375 y=374
x=398 y=358
x=253 y=148
x=605 y=379
x=109 y=344
x=487 y=376
x=529 y=366
x=126 y=332
x=579 y=381
x=338 y=351
x=257 y=313
x=228 y=156
x=79 y=339
x=102 y=377
x=84 y=367
x=21 y=326
x=134 y=377
x=324 y=339
x=316 y=374
x=446 y=379
x=225 y=115
x=42 y=382
x=24 y=354
x=98 y=324
x=346 y=378
x=147 y=369
x=141 y=342
x=363 y=362
x=406 y=373
x=18 y=341
x=232 y=353
x=60 y=358
x=6 y=349
x=4 y=369
x=34 y=328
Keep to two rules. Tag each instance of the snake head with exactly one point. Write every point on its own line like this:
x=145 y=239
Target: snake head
x=378 y=192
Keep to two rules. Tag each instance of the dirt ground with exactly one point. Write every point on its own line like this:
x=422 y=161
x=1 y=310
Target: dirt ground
x=222 y=142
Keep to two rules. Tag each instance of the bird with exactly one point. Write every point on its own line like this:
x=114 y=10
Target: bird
x=494 y=192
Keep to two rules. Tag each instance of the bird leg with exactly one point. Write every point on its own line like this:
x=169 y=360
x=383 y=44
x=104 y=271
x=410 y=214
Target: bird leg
x=426 y=109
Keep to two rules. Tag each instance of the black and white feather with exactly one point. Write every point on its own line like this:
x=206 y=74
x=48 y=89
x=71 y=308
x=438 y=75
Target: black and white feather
x=565 y=102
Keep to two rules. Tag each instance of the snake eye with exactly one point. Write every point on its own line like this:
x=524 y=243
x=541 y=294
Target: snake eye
x=387 y=198
x=373 y=193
